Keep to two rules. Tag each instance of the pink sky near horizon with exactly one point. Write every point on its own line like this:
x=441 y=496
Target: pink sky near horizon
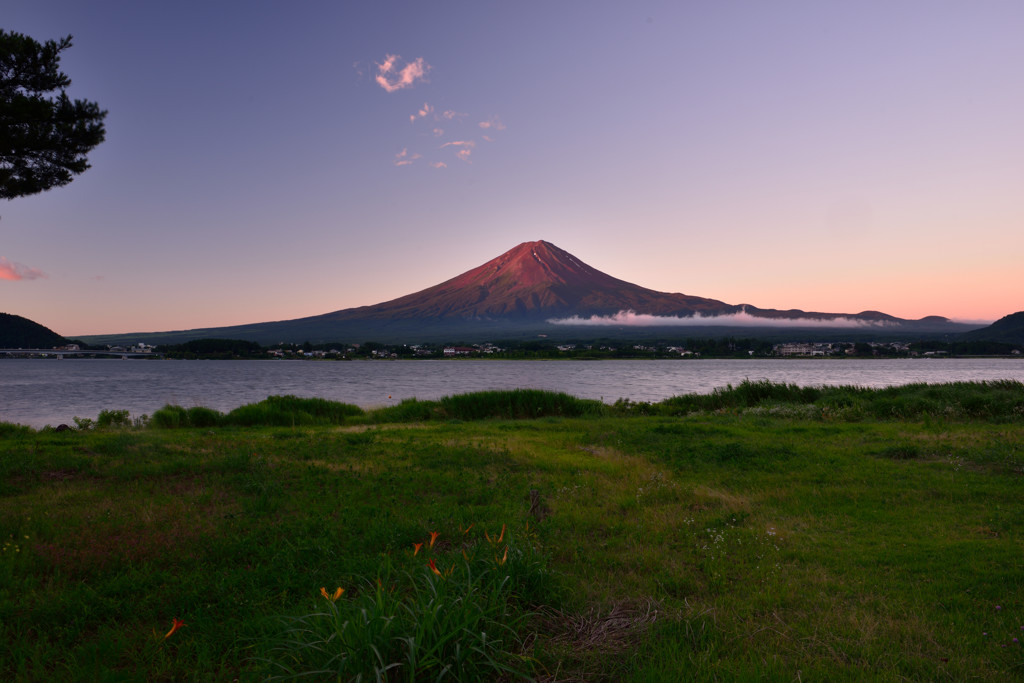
x=818 y=156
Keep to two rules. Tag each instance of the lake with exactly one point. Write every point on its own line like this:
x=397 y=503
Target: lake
x=37 y=392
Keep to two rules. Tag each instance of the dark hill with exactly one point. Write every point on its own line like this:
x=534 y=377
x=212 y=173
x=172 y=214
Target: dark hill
x=17 y=332
x=1008 y=329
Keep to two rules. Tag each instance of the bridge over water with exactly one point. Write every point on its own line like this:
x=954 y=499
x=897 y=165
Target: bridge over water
x=61 y=353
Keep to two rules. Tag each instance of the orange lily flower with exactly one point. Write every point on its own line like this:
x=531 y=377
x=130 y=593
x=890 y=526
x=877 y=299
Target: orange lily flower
x=416 y=548
x=433 y=537
x=498 y=539
x=466 y=530
x=433 y=567
x=333 y=597
x=175 y=625
x=502 y=560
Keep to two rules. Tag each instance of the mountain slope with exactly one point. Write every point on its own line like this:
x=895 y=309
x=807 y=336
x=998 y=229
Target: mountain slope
x=17 y=332
x=1008 y=329
x=534 y=280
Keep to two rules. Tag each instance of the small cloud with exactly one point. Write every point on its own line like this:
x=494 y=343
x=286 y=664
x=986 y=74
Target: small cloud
x=439 y=164
x=425 y=111
x=391 y=79
x=451 y=114
x=438 y=132
x=465 y=148
x=9 y=270
x=492 y=123
x=403 y=158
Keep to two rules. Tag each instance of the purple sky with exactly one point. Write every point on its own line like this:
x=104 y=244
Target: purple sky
x=271 y=160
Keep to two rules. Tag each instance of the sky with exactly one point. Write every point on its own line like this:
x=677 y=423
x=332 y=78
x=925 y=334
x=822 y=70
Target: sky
x=273 y=160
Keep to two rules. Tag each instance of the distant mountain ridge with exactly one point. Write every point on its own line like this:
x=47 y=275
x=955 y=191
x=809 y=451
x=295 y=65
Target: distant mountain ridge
x=524 y=292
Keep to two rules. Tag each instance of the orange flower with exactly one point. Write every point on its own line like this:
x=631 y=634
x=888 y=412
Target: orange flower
x=497 y=540
x=433 y=567
x=466 y=530
x=502 y=560
x=333 y=597
x=416 y=548
x=433 y=537
x=175 y=625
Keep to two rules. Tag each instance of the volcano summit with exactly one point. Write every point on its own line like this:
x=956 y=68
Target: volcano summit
x=534 y=281
x=538 y=288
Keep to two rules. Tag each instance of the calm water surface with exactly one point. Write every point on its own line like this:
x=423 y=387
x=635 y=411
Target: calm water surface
x=38 y=392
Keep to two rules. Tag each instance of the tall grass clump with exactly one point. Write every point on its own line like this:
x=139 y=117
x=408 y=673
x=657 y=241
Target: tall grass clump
x=169 y=417
x=108 y=419
x=288 y=411
x=512 y=404
x=201 y=416
x=457 y=613
x=518 y=404
x=992 y=400
x=177 y=417
x=10 y=429
x=747 y=394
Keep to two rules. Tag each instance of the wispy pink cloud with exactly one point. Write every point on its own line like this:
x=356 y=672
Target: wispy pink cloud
x=391 y=79
x=451 y=114
x=438 y=132
x=492 y=123
x=9 y=270
x=465 y=148
x=439 y=164
x=403 y=158
x=425 y=111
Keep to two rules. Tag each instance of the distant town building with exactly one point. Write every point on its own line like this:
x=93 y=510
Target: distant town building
x=459 y=350
x=802 y=349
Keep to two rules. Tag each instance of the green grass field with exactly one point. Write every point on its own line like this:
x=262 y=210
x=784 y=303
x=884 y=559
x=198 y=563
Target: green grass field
x=769 y=533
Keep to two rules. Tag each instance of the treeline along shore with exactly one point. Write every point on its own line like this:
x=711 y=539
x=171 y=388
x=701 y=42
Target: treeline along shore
x=536 y=349
x=760 y=532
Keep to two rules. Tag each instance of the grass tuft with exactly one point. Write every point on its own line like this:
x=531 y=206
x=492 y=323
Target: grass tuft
x=455 y=613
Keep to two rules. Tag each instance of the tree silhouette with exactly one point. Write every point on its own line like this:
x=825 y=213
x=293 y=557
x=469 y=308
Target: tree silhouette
x=44 y=137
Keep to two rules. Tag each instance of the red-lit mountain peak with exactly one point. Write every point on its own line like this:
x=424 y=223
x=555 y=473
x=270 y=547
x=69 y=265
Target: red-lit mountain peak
x=528 y=265
x=533 y=280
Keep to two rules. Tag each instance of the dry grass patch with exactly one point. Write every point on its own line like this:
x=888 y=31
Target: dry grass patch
x=593 y=635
